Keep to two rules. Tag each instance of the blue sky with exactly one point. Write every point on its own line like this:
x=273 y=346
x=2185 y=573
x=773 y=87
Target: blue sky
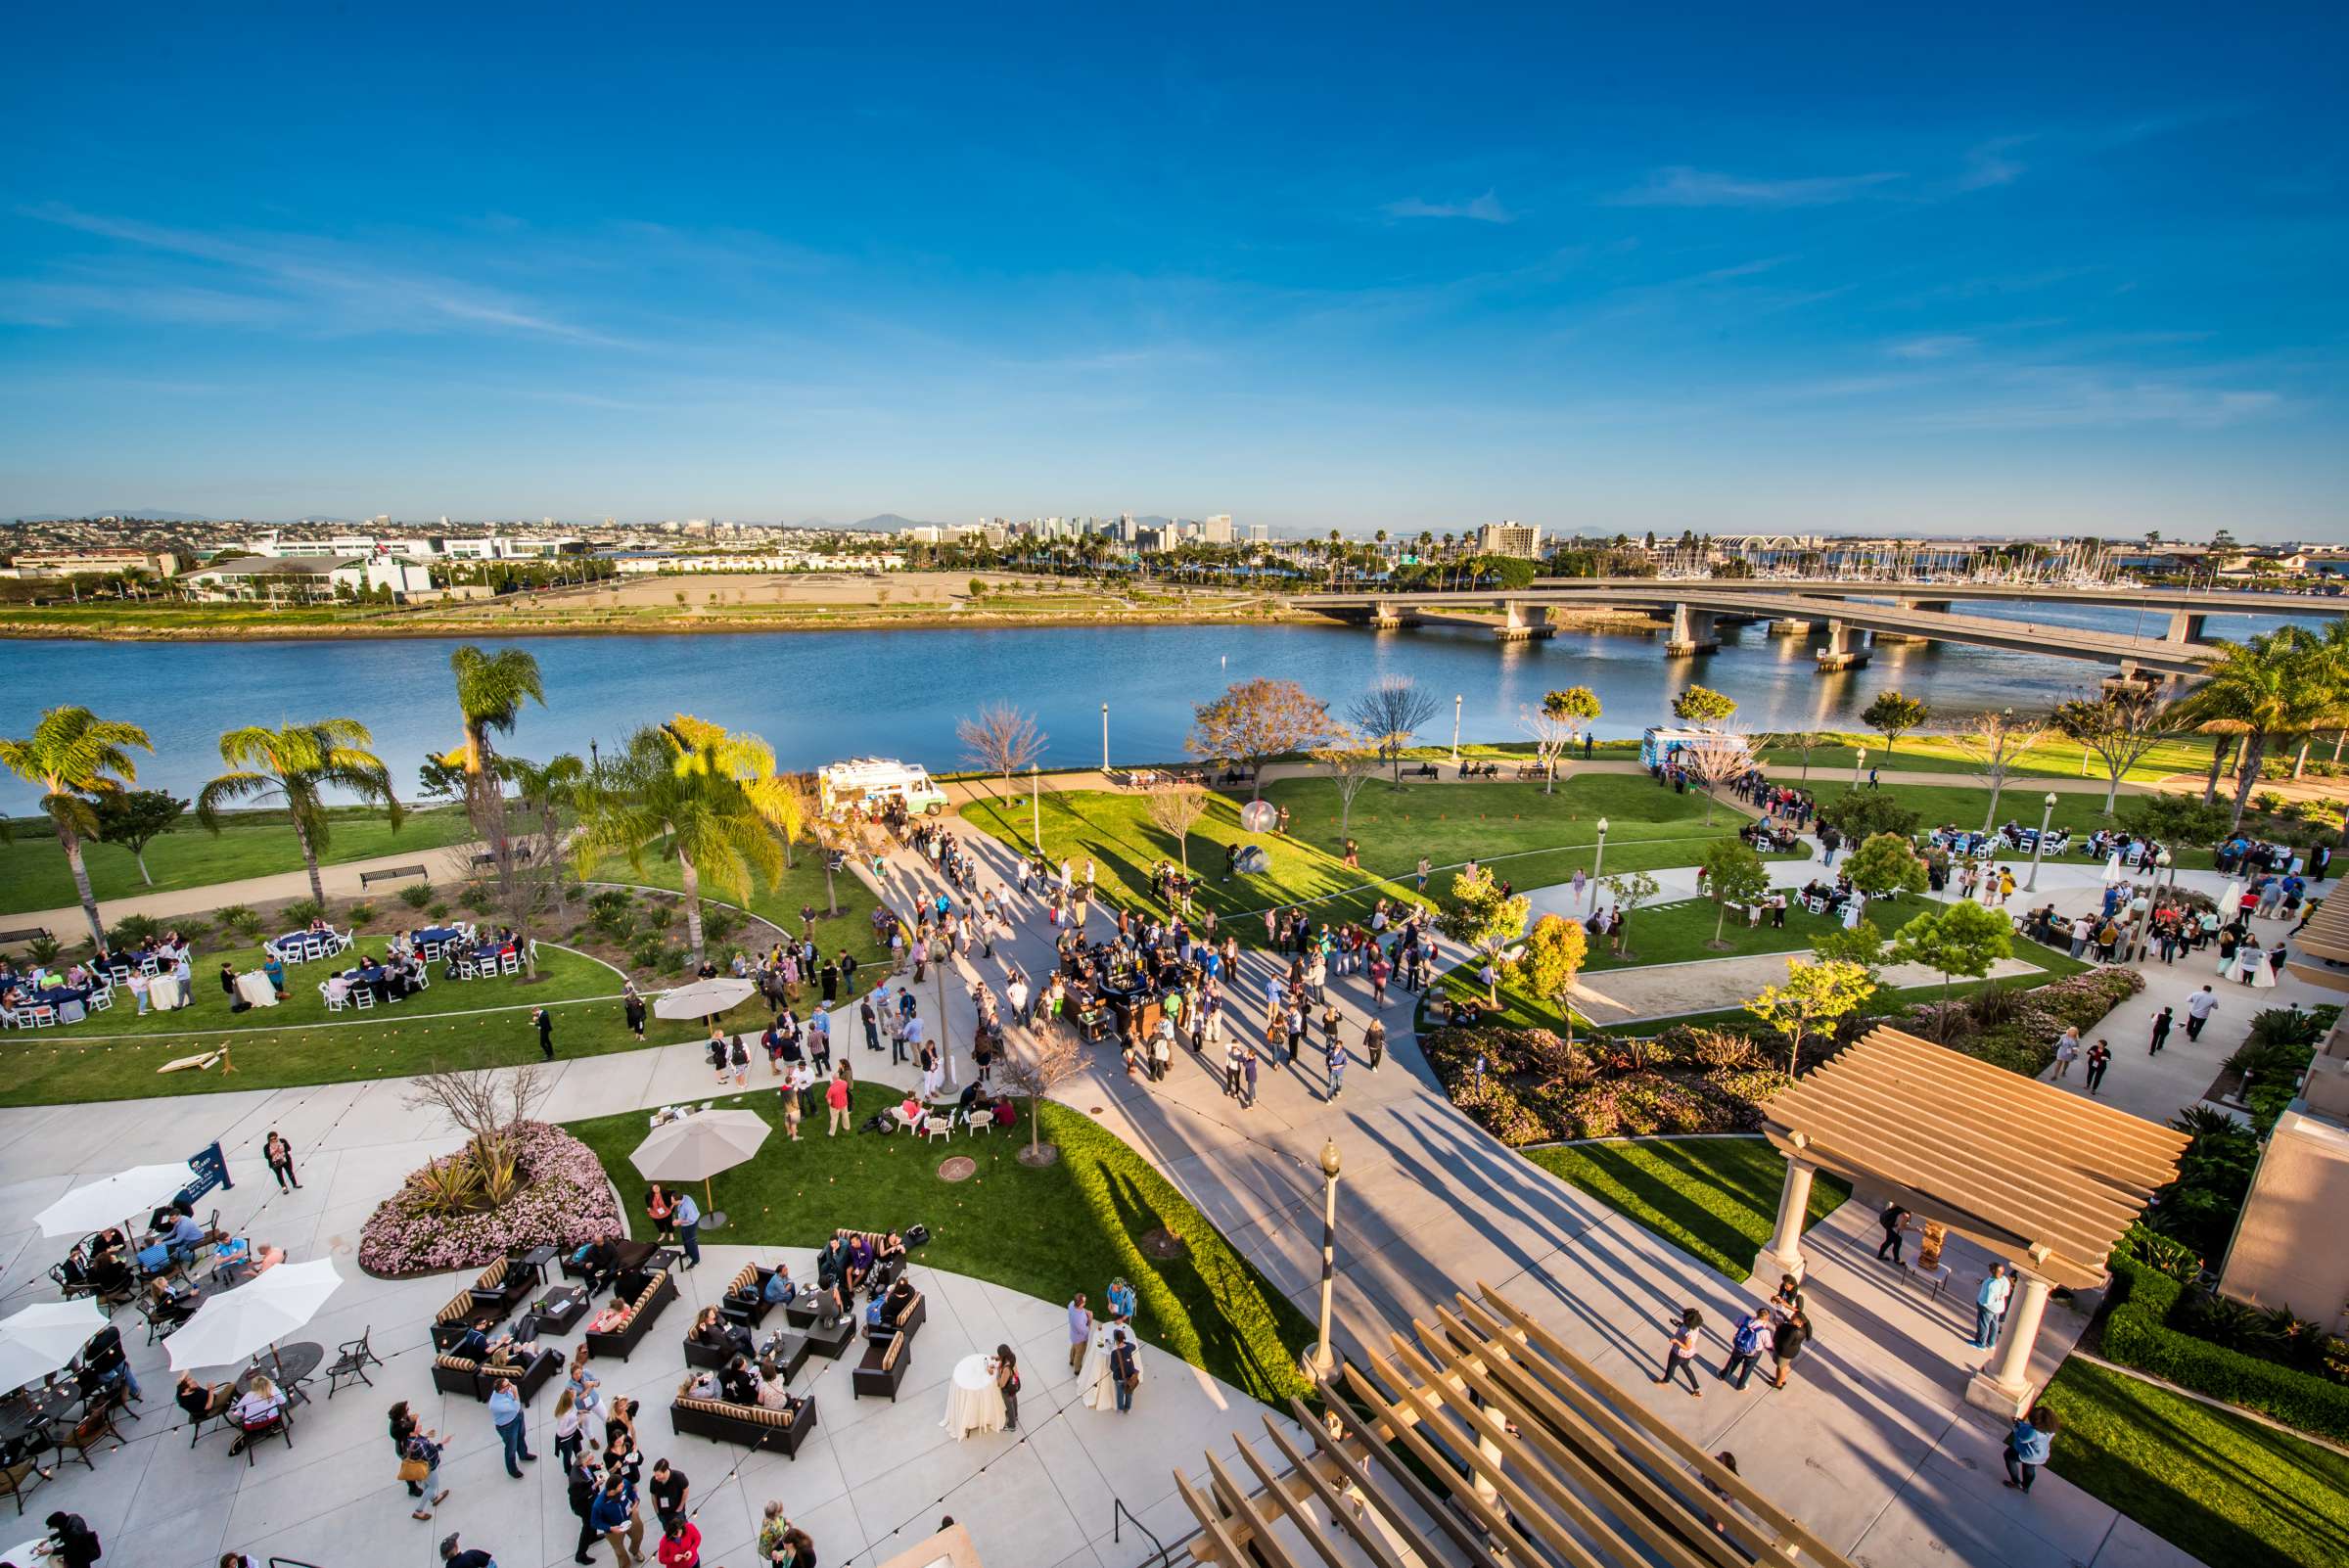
x=1877 y=268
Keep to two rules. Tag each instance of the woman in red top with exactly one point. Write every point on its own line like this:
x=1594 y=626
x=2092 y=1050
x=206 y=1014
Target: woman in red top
x=681 y=1545
x=836 y=1096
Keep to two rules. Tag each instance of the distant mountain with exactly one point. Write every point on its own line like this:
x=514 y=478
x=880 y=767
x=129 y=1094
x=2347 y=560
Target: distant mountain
x=144 y=514
x=890 y=521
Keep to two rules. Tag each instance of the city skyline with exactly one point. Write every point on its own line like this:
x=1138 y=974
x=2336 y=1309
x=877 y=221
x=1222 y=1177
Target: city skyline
x=2074 y=276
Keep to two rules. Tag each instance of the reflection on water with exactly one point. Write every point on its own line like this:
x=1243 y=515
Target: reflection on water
x=817 y=696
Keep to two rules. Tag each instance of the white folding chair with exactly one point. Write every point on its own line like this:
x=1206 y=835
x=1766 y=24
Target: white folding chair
x=362 y=998
x=120 y=973
x=510 y=963
x=938 y=1126
x=466 y=969
x=423 y=980
x=9 y=1019
x=152 y=966
x=334 y=1003
x=44 y=1016
x=430 y=949
x=100 y=999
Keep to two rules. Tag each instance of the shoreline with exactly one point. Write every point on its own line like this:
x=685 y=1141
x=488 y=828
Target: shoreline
x=852 y=621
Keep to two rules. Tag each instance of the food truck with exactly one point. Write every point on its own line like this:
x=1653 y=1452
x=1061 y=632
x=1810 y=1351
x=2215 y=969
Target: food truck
x=865 y=785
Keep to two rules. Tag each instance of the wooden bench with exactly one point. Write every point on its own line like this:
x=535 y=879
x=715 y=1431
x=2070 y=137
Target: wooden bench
x=28 y=934
x=1423 y=770
x=391 y=873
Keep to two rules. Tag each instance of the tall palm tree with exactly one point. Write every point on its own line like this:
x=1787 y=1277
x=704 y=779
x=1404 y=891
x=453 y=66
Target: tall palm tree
x=674 y=792
x=779 y=799
x=491 y=691
x=2276 y=686
x=298 y=763
x=74 y=757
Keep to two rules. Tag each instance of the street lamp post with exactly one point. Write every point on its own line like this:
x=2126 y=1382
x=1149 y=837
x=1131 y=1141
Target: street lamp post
x=1457 y=699
x=2143 y=937
x=1858 y=763
x=1036 y=808
x=2039 y=845
x=1324 y=1359
x=1599 y=859
x=1105 y=737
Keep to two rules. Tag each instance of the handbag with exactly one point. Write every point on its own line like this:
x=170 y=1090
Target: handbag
x=414 y=1470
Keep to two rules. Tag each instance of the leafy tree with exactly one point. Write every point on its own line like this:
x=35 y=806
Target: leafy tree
x=491 y=691
x=1479 y=918
x=1563 y=719
x=1556 y=950
x=2177 y=819
x=1860 y=943
x=1957 y=941
x=1626 y=891
x=1995 y=742
x=1389 y=713
x=1733 y=874
x=1256 y=720
x=1884 y=864
x=1815 y=997
x=75 y=756
x=675 y=790
x=1702 y=705
x=1859 y=815
x=1893 y=715
x=132 y=819
x=2280 y=684
x=2120 y=730
x=298 y=763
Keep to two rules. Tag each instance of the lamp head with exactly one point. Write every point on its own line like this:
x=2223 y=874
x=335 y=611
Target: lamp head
x=2050 y=799
x=1602 y=828
x=1329 y=1159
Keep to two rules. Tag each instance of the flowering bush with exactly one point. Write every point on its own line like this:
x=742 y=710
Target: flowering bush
x=564 y=1200
x=2017 y=1030
x=1536 y=1089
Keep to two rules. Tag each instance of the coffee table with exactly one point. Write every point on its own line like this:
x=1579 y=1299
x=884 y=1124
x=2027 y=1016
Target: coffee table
x=831 y=1340
x=559 y=1308
x=535 y=1261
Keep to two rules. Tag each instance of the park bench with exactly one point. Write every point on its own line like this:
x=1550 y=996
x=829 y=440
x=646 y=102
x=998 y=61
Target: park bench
x=391 y=873
x=1480 y=771
x=1530 y=770
x=28 y=934
x=1423 y=770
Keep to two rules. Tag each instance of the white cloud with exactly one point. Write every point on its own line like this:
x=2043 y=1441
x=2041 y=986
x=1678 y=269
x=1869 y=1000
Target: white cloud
x=1484 y=208
x=1933 y=345
x=1683 y=186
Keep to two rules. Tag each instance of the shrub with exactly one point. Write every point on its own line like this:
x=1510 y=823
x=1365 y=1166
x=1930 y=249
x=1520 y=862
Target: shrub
x=241 y=919
x=361 y=913
x=2287 y=1026
x=2138 y=1333
x=561 y=1199
x=612 y=911
x=416 y=894
x=720 y=922
x=302 y=911
x=133 y=929
x=44 y=950
x=659 y=916
x=437 y=909
x=476 y=898
x=1535 y=1087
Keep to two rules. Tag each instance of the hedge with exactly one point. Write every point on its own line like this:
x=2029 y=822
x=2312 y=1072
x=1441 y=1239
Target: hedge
x=2138 y=1334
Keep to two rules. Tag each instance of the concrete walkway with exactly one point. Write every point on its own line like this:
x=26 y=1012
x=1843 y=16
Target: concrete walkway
x=1872 y=1443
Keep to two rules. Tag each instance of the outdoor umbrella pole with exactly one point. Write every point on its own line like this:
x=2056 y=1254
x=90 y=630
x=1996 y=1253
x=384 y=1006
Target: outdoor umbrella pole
x=713 y=1218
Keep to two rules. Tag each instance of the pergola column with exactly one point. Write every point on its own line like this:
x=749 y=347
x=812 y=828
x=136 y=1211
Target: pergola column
x=1783 y=1254
x=2005 y=1386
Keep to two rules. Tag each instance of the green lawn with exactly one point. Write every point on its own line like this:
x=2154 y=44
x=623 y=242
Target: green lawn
x=801 y=885
x=1715 y=1198
x=1049 y=1232
x=1965 y=806
x=2053 y=758
x=33 y=874
x=2225 y=1489
x=2053 y=965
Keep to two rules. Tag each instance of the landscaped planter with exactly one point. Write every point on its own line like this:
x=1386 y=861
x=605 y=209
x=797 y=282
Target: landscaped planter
x=565 y=1202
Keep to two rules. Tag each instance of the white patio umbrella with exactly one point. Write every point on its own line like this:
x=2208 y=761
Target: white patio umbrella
x=704 y=998
x=44 y=1337
x=696 y=1147
x=255 y=1315
x=104 y=1203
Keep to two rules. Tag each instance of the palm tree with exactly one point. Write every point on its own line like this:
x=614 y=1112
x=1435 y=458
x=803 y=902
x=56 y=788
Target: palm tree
x=675 y=790
x=491 y=691
x=74 y=756
x=298 y=763
x=2276 y=686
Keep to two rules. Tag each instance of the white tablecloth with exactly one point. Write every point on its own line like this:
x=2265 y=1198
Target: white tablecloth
x=22 y=1556
x=973 y=1402
x=256 y=990
x=163 y=992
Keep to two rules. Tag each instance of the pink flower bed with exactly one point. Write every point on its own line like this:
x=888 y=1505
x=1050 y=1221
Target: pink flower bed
x=565 y=1202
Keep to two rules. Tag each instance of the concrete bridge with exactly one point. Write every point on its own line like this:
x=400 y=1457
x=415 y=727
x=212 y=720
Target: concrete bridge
x=1848 y=617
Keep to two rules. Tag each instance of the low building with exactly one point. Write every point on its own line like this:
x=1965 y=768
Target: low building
x=95 y=563
x=1520 y=539
x=309 y=579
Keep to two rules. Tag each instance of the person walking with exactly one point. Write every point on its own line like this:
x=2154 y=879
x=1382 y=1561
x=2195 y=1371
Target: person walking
x=280 y=1155
x=1894 y=1220
x=2028 y=1445
x=1746 y=1346
x=1786 y=1342
x=1081 y=1331
x=2161 y=1031
x=546 y=1032
x=2067 y=1050
x=507 y=1414
x=2199 y=1008
x=836 y=1100
x=631 y=1003
x=1124 y=1369
x=420 y=1465
x=615 y=1519
x=1336 y=1061
x=1990 y=1307
x=2100 y=1057
x=688 y=1217
x=1374 y=1043
x=585 y=1480
x=1679 y=1351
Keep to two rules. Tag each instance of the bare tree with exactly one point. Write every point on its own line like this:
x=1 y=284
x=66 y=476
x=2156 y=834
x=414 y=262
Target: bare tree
x=1049 y=1058
x=1714 y=759
x=1000 y=741
x=1389 y=713
x=1177 y=807
x=485 y=1104
x=2119 y=729
x=1995 y=741
x=1351 y=765
x=1552 y=733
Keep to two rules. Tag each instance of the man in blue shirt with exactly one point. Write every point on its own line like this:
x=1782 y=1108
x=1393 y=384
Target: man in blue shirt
x=1990 y=1307
x=615 y=1518
x=688 y=1220
x=507 y=1414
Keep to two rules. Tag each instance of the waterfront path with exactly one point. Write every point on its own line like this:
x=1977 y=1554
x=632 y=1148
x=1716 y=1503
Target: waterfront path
x=1872 y=1443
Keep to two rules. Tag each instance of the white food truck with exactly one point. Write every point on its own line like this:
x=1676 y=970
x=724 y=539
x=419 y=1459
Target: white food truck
x=867 y=784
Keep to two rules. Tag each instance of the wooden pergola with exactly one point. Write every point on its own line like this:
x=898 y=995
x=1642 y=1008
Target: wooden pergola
x=2320 y=954
x=1481 y=1439
x=2042 y=1177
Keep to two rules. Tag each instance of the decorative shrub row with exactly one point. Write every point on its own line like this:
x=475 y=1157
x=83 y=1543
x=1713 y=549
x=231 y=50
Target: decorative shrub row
x=1533 y=1087
x=2138 y=1334
x=565 y=1202
x=2016 y=1029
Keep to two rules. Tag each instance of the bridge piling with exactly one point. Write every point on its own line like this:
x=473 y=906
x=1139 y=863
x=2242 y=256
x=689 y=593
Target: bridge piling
x=1525 y=622
x=1692 y=632
x=1846 y=649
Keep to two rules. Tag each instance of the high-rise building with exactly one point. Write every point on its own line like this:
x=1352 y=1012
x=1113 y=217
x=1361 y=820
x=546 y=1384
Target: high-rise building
x=1259 y=533
x=1521 y=539
x=1217 y=530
